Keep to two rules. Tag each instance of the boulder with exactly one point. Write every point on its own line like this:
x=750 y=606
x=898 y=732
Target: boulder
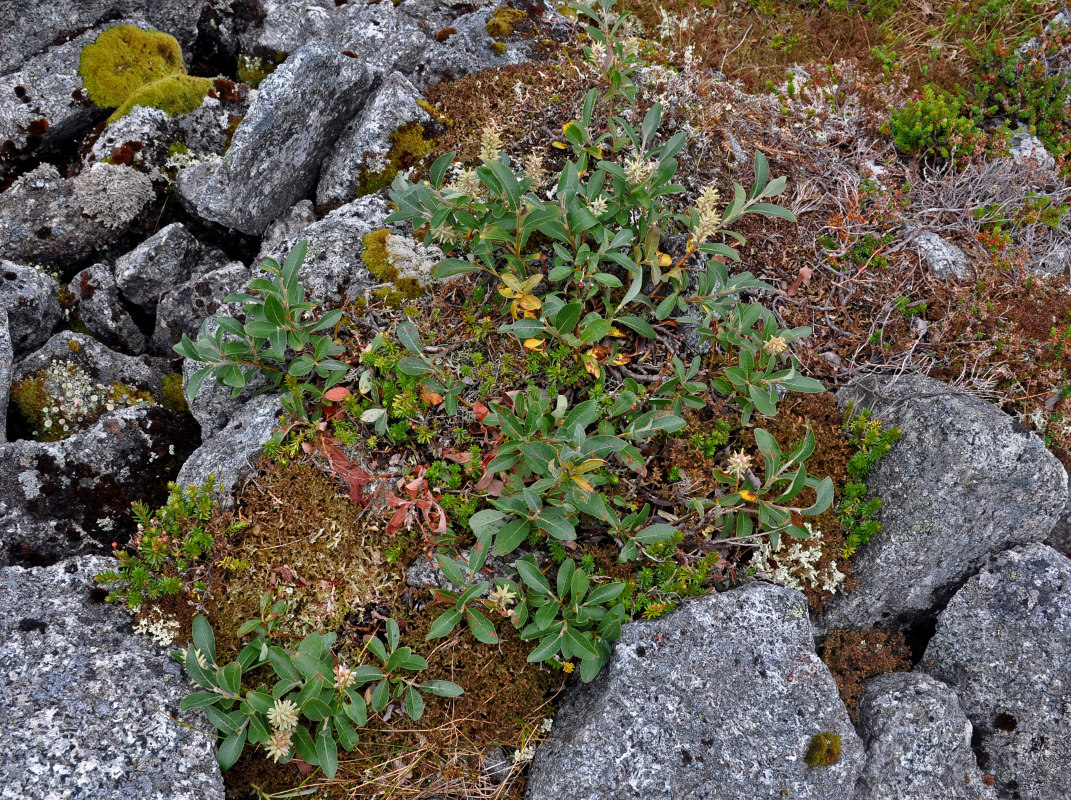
x=140 y=138
x=7 y=358
x=99 y=309
x=942 y=257
x=158 y=264
x=333 y=268
x=1004 y=644
x=275 y=154
x=1028 y=151
x=289 y=227
x=73 y=496
x=31 y=27
x=964 y=482
x=30 y=299
x=101 y=365
x=91 y=710
x=183 y=308
x=918 y=742
x=60 y=223
x=231 y=454
x=365 y=144
x=718 y=700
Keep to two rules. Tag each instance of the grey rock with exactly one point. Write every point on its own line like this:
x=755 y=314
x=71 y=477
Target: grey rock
x=365 y=142
x=275 y=155
x=1004 y=644
x=1027 y=150
x=43 y=220
x=333 y=268
x=190 y=184
x=30 y=299
x=102 y=313
x=205 y=130
x=147 y=131
x=73 y=496
x=183 y=308
x=718 y=700
x=231 y=455
x=918 y=742
x=1059 y=537
x=101 y=364
x=287 y=228
x=378 y=33
x=91 y=710
x=944 y=258
x=156 y=265
x=964 y=482
x=44 y=102
x=7 y=358
x=31 y=27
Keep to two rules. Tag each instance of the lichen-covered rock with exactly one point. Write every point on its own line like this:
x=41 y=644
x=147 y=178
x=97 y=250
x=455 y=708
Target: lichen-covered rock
x=100 y=363
x=99 y=309
x=1004 y=644
x=73 y=496
x=275 y=155
x=333 y=267
x=157 y=265
x=191 y=181
x=90 y=710
x=918 y=742
x=29 y=28
x=378 y=33
x=44 y=102
x=140 y=138
x=33 y=312
x=366 y=144
x=964 y=482
x=1029 y=150
x=716 y=701
x=183 y=308
x=231 y=454
x=288 y=227
x=944 y=258
x=112 y=195
x=7 y=360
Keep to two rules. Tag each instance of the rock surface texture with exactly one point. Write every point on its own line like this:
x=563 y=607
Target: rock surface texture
x=1004 y=644
x=276 y=151
x=717 y=701
x=964 y=482
x=918 y=742
x=33 y=312
x=91 y=711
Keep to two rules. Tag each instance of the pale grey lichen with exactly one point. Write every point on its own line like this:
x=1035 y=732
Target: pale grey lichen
x=112 y=194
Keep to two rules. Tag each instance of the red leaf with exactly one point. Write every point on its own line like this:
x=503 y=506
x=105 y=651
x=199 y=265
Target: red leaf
x=480 y=410
x=397 y=520
x=458 y=458
x=337 y=393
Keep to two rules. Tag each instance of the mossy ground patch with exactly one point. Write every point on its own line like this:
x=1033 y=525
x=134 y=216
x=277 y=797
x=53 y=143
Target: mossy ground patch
x=124 y=58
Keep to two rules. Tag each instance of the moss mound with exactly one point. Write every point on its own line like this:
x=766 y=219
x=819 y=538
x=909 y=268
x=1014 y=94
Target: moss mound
x=504 y=22
x=125 y=58
x=175 y=94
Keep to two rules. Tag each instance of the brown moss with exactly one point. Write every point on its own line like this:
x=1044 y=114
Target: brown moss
x=855 y=656
x=445 y=34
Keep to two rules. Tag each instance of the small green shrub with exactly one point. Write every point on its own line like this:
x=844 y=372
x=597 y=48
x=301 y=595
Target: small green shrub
x=169 y=551
x=872 y=442
x=933 y=126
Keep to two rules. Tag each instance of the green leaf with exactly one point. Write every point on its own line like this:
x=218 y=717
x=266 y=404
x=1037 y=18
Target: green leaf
x=531 y=575
x=640 y=326
x=440 y=167
x=230 y=750
x=481 y=627
x=304 y=746
x=409 y=336
x=762 y=173
x=566 y=319
x=414 y=703
x=327 y=751
x=444 y=624
x=442 y=688
x=581 y=643
x=203 y=637
x=511 y=536
x=199 y=700
x=547 y=648
x=771 y=210
x=595 y=330
x=453 y=266
x=413 y=366
x=315 y=709
x=347 y=736
x=555 y=523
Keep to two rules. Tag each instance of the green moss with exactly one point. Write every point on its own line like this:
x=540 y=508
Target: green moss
x=31 y=398
x=408 y=147
x=504 y=22
x=125 y=58
x=376 y=257
x=824 y=750
x=178 y=149
x=175 y=94
x=498 y=48
x=171 y=393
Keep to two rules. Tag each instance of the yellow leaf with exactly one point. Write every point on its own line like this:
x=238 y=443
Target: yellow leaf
x=534 y=344
x=620 y=360
x=511 y=281
x=560 y=145
x=615 y=331
x=531 y=302
x=582 y=482
x=592 y=366
x=664 y=260
x=749 y=496
x=589 y=465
